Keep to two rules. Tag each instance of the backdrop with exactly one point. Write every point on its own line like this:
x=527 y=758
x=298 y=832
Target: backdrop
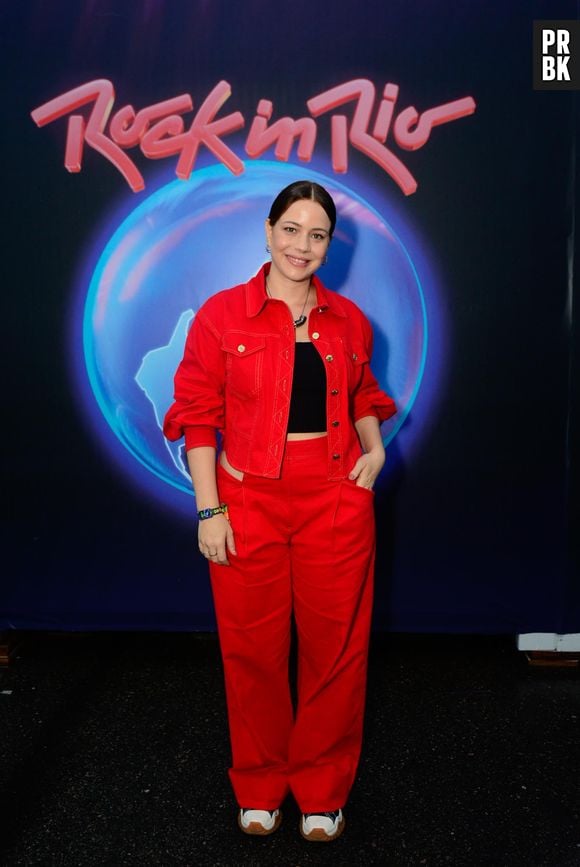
x=144 y=144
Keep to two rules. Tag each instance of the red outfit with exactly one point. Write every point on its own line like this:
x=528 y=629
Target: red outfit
x=304 y=538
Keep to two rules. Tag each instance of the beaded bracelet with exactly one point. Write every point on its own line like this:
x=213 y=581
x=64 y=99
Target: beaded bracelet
x=203 y=514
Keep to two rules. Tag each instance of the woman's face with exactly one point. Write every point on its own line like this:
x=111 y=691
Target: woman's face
x=299 y=240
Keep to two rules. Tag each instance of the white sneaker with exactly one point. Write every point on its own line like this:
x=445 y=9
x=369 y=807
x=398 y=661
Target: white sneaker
x=259 y=821
x=322 y=827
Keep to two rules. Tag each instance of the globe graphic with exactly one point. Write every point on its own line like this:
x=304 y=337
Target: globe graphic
x=192 y=238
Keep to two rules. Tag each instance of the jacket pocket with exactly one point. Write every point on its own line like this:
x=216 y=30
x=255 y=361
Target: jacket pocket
x=244 y=362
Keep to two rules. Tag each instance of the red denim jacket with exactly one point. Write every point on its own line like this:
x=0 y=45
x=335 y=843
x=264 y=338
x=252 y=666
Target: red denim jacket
x=236 y=377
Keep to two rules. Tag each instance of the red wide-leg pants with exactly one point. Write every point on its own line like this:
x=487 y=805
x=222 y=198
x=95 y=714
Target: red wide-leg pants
x=304 y=544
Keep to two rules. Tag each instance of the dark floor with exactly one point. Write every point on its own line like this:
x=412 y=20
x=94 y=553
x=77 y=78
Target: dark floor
x=114 y=750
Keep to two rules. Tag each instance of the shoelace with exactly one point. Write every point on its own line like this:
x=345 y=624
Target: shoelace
x=331 y=815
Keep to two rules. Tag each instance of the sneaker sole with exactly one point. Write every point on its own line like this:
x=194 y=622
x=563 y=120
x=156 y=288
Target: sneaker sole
x=257 y=830
x=319 y=835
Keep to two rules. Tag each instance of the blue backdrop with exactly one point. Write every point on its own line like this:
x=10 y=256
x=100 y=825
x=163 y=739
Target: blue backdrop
x=145 y=143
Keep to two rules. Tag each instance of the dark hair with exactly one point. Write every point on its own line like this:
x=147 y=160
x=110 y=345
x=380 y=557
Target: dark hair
x=303 y=190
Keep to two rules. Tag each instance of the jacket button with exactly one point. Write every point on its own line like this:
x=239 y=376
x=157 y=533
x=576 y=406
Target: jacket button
x=354 y=356
x=334 y=391
x=336 y=457
x=315 y=335
x=329 y=357
x=241 y=348
x=335 y=423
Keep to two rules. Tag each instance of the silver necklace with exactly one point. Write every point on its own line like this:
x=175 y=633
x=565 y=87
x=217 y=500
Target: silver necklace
x=302 y=318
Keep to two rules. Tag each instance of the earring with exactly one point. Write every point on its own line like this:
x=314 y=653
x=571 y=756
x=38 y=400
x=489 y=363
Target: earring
x=268 y=248
x=325 y=260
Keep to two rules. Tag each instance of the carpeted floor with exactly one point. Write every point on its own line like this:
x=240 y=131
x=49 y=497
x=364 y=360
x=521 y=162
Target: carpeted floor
x=114 y=751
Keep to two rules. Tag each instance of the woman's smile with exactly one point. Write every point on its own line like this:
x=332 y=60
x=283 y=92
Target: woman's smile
x=298 y=263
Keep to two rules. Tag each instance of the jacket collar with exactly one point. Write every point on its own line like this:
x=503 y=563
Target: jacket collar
x=256 y=295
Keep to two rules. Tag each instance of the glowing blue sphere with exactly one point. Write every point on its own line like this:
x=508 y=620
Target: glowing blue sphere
x=192 y=238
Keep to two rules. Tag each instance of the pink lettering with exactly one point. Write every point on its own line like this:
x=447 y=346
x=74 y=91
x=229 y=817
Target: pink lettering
x=283 y=131
x=127 y=128
x=102 y=93
x=205 y=130
x=385 y=112
x=167 y=137
x=364 y=92
x=411 y=140
x=159 y=130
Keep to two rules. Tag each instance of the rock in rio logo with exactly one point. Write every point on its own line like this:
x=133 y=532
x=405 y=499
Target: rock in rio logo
x=160 y=130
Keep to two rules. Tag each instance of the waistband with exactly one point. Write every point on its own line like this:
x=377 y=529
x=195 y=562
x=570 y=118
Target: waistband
x=295 y=450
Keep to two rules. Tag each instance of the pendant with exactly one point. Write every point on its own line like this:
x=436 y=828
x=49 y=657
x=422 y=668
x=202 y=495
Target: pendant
x=300 y=321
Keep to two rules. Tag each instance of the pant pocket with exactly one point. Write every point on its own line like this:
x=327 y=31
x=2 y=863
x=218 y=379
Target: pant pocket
x=354 y=519
x=227 y=468
x=231 y=492
x=348 y=483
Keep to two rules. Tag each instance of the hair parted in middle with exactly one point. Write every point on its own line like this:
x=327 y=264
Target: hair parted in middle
x=298 y=190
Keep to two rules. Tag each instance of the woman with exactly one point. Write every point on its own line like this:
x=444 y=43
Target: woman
x=280 y=365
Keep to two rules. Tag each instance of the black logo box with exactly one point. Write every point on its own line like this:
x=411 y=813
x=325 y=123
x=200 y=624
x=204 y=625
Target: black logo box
x=540 y=49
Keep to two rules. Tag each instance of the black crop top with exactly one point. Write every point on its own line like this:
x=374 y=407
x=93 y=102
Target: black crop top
x=308 y=399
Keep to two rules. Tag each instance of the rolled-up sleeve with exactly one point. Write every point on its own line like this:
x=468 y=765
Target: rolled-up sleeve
x=369 y=398
x=198 y=408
